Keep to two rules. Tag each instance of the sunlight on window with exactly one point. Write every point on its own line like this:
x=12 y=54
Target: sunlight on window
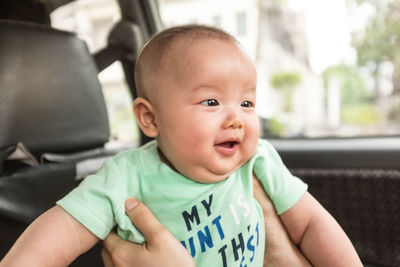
x=92 y=20
x=325 y=68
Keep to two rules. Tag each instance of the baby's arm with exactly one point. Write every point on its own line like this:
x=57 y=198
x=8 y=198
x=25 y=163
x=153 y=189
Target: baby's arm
x=279 y=248
x=54 y=239
x=319 y=236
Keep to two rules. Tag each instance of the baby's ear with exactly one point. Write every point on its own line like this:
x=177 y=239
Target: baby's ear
x=145 y=116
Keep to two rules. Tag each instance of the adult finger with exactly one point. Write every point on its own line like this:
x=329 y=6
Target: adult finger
x=118 y=252
x=110 y=244
x=106 y=258
x=161 y=247
x=144 y=220
x=262 y=198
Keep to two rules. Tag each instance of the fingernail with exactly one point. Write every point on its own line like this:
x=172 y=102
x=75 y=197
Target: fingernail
x=131 y=203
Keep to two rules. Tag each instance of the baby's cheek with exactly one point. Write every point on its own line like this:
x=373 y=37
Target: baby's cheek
x=253 y=135
x=256 y=127
x=253 y=130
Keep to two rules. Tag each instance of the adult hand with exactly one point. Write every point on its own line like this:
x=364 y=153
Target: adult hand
x=279 y=248
x=160 y=249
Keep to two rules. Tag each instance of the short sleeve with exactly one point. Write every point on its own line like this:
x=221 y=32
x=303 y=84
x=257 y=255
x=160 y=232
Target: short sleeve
x=92 y=203
x=282 y=187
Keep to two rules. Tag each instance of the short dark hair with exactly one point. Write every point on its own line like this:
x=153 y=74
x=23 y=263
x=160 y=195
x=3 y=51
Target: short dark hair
x=151 y=57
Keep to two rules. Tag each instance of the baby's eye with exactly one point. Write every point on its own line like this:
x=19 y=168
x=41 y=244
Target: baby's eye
x=247 y=104
x=210 y=102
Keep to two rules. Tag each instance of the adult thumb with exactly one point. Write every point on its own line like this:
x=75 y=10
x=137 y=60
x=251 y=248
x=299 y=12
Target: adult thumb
x=144 y=220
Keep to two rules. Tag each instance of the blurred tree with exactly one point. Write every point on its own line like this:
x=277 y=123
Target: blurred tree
x=360 y=114
x=380 y=41
x=353 y=87
x=356 y=104
x=286 y=82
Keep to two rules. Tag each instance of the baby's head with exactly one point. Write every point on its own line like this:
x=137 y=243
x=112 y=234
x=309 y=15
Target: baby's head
x=196 y=95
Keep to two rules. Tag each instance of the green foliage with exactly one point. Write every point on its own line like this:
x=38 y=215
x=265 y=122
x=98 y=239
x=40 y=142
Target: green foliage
x=285 y=80
x=276 y=128
x=361 y=114
x=356 y=106
x=394 y=110
x=373 y=44
x=380 y=41
x=353 y=87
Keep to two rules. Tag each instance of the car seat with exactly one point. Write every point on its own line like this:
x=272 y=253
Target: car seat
x=53 y=124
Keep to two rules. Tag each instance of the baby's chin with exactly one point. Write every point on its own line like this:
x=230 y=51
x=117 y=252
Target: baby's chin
x=208 y=176
x=199 y=174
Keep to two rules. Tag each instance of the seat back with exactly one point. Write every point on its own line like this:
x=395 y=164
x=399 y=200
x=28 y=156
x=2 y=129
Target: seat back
x=50 y=97
x=51 y=102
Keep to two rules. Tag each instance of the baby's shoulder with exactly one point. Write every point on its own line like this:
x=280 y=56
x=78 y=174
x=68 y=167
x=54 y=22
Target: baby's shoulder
x=136 y=158
x=264 y=148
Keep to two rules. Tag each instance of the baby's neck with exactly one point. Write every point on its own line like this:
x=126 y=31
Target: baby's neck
x=164 y=159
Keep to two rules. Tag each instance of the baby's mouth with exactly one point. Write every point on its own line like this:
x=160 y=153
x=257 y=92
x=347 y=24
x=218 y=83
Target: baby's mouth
x=228 y=144
x=227 y=148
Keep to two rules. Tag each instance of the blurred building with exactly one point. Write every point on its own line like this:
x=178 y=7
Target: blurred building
x=274 y=36
x=92 y=20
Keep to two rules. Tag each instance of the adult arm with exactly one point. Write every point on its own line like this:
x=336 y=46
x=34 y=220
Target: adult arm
x=320 y=237
x=160 y=249
x=54 y=239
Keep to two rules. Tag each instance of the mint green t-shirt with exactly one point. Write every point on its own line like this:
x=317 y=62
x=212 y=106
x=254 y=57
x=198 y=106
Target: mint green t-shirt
x=220 y=224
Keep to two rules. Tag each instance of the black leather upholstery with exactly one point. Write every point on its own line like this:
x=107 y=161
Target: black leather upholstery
x=50 y=97
x=51 y=102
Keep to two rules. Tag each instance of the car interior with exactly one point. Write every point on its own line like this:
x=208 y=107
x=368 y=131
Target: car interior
x=54 y=130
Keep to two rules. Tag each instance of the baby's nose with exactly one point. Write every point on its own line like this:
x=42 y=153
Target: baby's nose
x=234 y=123
x=237 y=124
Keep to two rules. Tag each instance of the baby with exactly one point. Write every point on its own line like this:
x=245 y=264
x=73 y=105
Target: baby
x=196 y=96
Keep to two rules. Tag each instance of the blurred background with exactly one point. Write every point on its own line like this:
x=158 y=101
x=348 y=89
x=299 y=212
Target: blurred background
x=327 y=68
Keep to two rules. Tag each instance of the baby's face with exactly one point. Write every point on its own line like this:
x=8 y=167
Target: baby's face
x=207 y=122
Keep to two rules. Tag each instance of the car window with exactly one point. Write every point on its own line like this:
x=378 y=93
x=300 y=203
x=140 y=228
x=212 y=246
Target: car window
x=92 y=21
x=325 y=68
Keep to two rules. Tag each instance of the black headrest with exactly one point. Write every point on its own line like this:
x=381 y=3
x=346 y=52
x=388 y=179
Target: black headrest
x=50 y=96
